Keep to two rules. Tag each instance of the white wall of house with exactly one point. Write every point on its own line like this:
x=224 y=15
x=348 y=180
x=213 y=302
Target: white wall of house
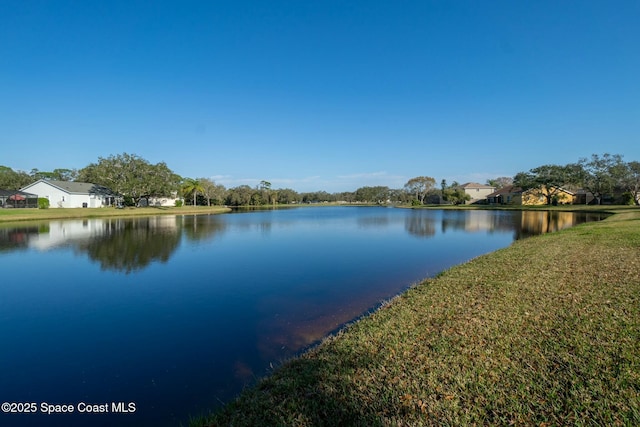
x=62 y=199
x=57 y=198
x=162 y=201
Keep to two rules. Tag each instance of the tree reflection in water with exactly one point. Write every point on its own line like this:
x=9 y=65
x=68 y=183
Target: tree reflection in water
x=132 y=244
x=420 y=225
x=200 y=227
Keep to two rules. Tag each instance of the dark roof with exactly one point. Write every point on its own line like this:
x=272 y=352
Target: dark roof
x=509 y=189
x=77 y=187
x=512 y=189
x=7 y=193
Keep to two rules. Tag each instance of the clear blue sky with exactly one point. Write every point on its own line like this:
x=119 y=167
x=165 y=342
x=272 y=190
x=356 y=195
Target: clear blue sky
x=319 y=95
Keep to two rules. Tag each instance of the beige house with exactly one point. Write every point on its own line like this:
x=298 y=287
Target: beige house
x=477 y=192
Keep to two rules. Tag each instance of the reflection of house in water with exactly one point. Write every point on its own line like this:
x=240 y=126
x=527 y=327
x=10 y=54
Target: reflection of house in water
x=476 y=221
x=523 y=223
x=468 y=221
x=18 y=237
x=539 y=222
x=122 y=244
x=70 y=232
x=62 y=233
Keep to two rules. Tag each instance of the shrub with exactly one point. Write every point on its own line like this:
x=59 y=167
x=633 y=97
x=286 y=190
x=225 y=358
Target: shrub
x=128 y=201
x=179 y=203
x=628 y=199
x=43 y=203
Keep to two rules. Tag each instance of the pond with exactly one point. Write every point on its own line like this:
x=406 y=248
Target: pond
x=146 y=321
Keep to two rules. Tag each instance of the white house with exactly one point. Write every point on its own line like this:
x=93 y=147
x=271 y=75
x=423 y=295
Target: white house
x=66 y=194
x=159 y=201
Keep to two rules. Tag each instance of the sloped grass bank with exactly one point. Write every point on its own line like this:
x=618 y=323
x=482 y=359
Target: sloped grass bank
x=545 y=332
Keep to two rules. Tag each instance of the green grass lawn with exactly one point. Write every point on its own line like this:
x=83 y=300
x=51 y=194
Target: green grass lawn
x=544 y=332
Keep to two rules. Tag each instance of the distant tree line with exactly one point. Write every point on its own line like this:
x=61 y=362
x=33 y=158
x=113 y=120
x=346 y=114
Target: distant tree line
x=607 y=177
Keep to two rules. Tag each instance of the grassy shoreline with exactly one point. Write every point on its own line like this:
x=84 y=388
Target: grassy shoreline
x=15 y=215
x=544 y=332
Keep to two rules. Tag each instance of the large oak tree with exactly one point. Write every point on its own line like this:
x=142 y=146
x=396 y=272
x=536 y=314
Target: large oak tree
x=599 y=174
x=549 y=180
x=420 y=186
x=132 y=176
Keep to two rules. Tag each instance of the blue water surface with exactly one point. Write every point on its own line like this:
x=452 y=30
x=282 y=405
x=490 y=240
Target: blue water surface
x=176 y=314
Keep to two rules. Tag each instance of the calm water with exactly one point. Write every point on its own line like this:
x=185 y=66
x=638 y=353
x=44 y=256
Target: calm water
x=177 y=314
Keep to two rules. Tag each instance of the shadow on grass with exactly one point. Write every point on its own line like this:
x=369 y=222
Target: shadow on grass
x=310 y=391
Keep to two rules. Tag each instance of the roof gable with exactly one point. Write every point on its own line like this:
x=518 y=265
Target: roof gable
x=477 y=185
x=512 y=189
x=7 y=193
x=74 y=187
x=564 y=190
x=509 y=189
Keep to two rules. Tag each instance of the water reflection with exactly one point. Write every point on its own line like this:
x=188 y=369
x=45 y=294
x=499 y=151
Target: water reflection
x=187 y=310
x=130 y=245
x=16 y=238
x=373 y=222
x=523 y=223
x=476 y=221
x=538 y=222
x=425 y=223
x=119 y=244
x=420 y=225
x=201 y=227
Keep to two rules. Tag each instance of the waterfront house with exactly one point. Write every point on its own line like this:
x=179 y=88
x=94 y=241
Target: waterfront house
x=477 y=192
x=67 y=194
x=160 y=201
x=513 y=195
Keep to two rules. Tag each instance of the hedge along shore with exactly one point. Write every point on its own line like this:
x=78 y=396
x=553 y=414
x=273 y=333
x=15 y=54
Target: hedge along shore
x=544 y=332
x=15 y=215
